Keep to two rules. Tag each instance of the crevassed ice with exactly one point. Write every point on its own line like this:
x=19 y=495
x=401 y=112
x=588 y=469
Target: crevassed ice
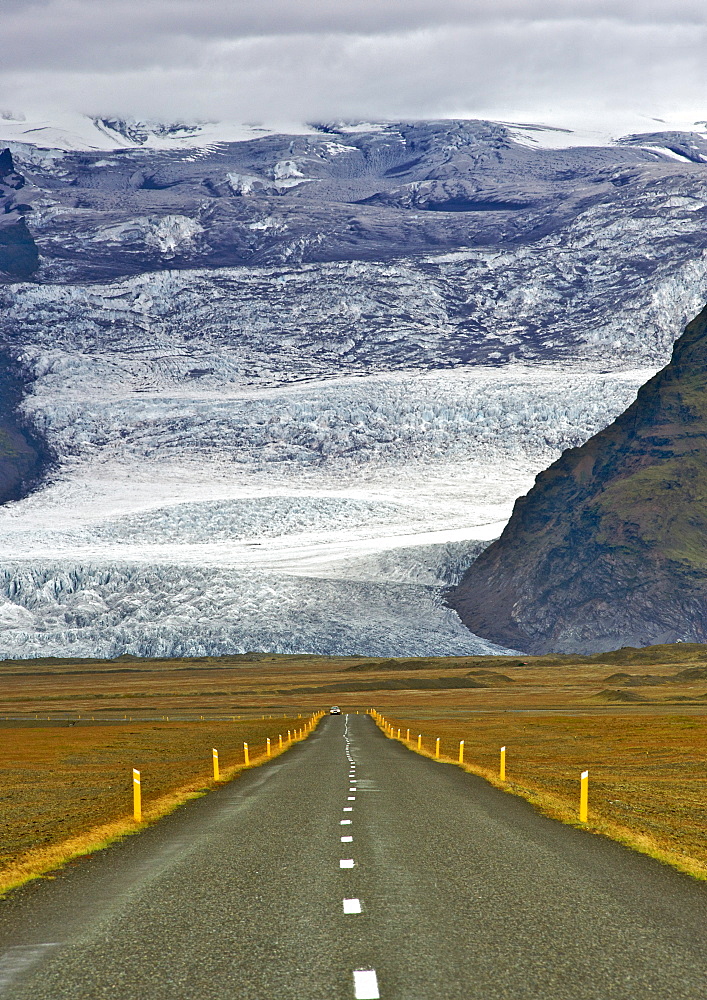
x=327 y=517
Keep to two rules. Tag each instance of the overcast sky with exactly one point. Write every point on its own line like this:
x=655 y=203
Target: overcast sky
x=304 y=60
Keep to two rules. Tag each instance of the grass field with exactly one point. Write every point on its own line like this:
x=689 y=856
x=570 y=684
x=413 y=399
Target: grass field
x=636 y=718
x=66 y=791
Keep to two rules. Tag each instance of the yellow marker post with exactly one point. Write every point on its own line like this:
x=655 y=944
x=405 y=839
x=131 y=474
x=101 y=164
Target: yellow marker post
x=502 y=768
x=419 y=741
x=137 y=797
x=214 y=753
x=398 y=733
x=583 y=796
x=281 y=741
x=267 y=747
x=407 y=736
x=437 y=749
x=461 y=751
x=289 y=736
x=246 y=756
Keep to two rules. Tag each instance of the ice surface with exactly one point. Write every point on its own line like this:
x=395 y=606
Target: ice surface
x=73 y=131
x=323 y=517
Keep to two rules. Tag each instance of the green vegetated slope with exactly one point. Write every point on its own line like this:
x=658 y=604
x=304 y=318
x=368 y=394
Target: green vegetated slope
x=609 y=548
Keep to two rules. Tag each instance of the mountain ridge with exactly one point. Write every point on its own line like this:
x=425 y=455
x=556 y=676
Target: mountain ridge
x=608 y=548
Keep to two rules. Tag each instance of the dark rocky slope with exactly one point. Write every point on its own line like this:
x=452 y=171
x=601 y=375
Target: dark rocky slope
x=609 y=548
x=19 y=257
x=23 y=458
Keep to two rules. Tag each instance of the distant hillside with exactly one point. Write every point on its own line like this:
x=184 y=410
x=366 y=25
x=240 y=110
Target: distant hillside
x=609 y=548
x=19 y=257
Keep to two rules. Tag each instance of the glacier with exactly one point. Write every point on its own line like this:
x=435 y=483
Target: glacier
x=286 y=415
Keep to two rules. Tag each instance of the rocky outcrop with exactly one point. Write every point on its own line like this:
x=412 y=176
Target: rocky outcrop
x=609 y=548
x=22 y=455
x=19 y=257
x=24 y=458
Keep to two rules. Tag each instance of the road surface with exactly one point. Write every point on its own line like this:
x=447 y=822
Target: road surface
x=443 y=888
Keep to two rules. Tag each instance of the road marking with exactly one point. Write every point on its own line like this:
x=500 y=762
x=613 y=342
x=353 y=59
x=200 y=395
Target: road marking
x=346 y=840
x=346 y=863
x=352 y=906
x=348 y=809
x=352 y=789
x=344 y=822
x=351 y=798
x=366 y=984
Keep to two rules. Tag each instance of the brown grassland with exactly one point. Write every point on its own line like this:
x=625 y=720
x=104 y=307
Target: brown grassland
x=635 y=718
x=67 y=791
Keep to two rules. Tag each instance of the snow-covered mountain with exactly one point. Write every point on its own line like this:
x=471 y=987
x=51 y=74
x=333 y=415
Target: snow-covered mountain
x=70 y=130
x=73 y=131
x=291 y=384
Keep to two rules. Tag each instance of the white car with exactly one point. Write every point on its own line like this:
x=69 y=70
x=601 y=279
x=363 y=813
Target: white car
x=334 y=710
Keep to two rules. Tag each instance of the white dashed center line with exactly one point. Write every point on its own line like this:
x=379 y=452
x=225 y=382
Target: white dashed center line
x=346 y=863
x=352 y=906
x=366 y=984
x=346 y=840
x=344 y=822
x=351 y=798
x=348 y=809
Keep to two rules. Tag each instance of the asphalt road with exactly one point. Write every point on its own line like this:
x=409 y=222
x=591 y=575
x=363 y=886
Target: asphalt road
x=464 y=893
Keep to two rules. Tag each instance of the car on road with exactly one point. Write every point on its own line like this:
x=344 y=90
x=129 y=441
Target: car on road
x=334 y=710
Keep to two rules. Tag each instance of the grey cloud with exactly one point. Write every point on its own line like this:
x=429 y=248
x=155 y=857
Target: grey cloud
x=366 y=58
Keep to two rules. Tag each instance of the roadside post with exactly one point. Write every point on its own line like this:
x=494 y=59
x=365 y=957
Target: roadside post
x=214 y=753
x=502 y=768
x=419 y=741
x=246 y=756
x=137 y=797
x=267 y=747
x=437 y=749
x=584 y=797
x=461 y=751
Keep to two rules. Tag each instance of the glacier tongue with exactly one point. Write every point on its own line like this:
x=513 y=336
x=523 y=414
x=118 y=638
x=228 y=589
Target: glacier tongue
x=86 y=610
x=292 y=385
x=321 y=517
